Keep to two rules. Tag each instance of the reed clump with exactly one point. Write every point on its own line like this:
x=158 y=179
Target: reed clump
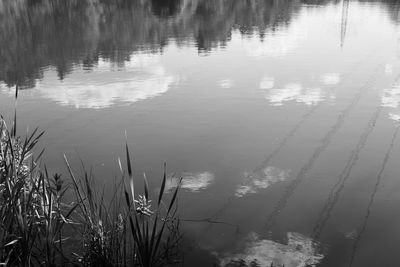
x=32 y=214
x=39 y=228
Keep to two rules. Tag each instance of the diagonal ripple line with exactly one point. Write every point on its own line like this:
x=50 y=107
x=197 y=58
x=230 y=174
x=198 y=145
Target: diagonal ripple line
x=372 y=197
x=326 y=140
x=285 y=140
x=343 y=26
x=337 y=189
x=291 y=133
x=281 y=144
x=271 y=155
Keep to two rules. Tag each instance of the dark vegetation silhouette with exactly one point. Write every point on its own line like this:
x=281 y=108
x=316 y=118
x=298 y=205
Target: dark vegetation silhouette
x=38 y=227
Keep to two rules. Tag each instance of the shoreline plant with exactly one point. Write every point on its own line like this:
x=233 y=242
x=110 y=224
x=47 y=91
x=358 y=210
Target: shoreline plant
x=38 y=228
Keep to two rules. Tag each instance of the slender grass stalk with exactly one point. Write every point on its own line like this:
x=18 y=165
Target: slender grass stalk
x=149 y=228
x=31 y=211
x=34 y=217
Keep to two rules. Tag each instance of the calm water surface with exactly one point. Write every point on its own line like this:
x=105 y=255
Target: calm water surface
x=281 y=116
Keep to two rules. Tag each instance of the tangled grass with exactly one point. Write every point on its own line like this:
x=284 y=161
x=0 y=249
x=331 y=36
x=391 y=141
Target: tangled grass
x=36 y=222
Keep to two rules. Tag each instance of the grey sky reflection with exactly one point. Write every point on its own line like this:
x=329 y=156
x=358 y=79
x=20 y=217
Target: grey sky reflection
x=300 y=251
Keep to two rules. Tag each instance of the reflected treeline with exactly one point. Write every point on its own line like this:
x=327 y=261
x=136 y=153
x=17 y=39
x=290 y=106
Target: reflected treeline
x=37 y=34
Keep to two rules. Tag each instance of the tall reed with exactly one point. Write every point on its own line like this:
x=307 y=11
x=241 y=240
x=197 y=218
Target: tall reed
x=123 y=231
x=31 y=212
x=149 y=227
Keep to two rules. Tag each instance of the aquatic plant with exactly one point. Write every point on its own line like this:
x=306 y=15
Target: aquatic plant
x=36 y=223
x=150 y=228
x=133 y=234
x=32 y=215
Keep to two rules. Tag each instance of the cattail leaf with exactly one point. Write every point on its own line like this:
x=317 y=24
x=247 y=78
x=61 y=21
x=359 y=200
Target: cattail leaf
x=128 y=162
x=11 y=243
x=174 y=196
x=162 y=184
x=146 y=187
x=127 y=199
x=120 y=165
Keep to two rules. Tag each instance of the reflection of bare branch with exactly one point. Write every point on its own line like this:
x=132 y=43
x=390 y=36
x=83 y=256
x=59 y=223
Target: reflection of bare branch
x=211 y=221
x=283 y=143
x=334 y=195
x=265 y=163
x=291 y=188
x=285 y=140
x=372 y=198
x=336 y=190
x=345 y=12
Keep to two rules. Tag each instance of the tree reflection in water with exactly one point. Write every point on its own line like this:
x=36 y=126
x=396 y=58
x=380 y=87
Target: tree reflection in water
x=37 y=34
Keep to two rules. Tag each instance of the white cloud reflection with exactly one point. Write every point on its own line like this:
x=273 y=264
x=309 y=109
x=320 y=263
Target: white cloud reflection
x=5 y=89
x=330 y=78
x=193 y=182
x=294 y=92
x=260 y=180
x=141 y=78
x=300 y=251
x=391 y=99
x=226 y=84
x=284 y=40
x=388 y=69
x=267 y=83
x=395 y=117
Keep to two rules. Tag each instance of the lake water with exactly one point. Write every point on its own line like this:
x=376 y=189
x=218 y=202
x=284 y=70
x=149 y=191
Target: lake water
x=281 y=116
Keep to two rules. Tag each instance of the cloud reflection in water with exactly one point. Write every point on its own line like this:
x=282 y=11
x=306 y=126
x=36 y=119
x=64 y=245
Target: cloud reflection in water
x=275 y=44
x=391 y=99
x=226 y=84
x=144 y=77
x=294 y=92
x=193 y=182
x=261 y=180
x=300 y=251
x=388 y=69
x=267 y=83
x=330 y=78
